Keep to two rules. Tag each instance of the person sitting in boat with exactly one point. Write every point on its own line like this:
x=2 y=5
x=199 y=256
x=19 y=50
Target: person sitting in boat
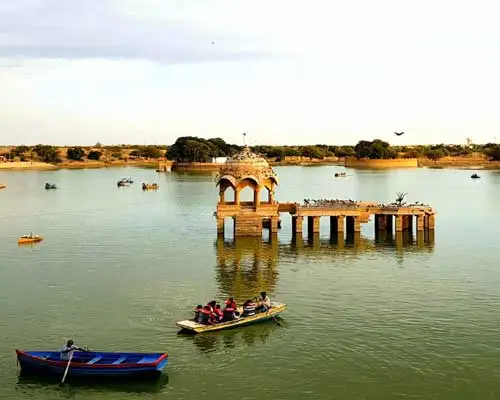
x=206 y=316
x=264 y=302
x=231 y=303
x=249 y=308
x=212 y=305
x=68 y=349
x=197 y=313
x=218 y=313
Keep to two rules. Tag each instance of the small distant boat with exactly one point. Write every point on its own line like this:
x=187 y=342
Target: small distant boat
x=49 y=186
x=125 y=182
x=475 y=176
x=148 y=186
x=340 y=174
x=93 y=364
x=190 y=325
x=2 y=186
x=29 y=239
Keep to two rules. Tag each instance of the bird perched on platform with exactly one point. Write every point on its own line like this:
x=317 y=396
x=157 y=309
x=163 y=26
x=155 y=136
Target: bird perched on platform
x=398 y=133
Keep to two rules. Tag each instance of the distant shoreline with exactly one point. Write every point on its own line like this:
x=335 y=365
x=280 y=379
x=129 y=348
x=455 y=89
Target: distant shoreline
x=447 y=162
x=41 y=166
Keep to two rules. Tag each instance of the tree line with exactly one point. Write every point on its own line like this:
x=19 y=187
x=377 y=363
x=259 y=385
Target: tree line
x=195 y=149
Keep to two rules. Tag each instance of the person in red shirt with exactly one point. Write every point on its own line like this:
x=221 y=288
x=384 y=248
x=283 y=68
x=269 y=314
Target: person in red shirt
x=218 y=313
x=232 y=303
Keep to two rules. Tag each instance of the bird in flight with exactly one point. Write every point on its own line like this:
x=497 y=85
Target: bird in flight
x=398 y=133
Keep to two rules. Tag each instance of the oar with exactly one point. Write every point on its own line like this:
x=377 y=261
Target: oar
x=67 y=367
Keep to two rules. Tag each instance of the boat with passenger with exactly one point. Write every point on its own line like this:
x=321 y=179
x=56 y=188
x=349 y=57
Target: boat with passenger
x=49 y=186
x=212 y=318
x=125 y=182
x=150 y=186
x=31 y=238
x=92 y=364
x=475 y=176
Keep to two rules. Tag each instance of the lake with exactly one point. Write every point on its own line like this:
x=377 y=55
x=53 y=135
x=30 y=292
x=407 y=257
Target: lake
x=365 y=320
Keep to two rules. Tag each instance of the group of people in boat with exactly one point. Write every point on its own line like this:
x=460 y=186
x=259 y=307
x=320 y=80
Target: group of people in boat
x=213 y=313
x=30 y=236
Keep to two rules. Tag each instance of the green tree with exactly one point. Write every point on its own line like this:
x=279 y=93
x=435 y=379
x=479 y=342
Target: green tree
x=94 y=155
x=435 y=154
x=47 y=153
x=312 y=152
x=75 y=153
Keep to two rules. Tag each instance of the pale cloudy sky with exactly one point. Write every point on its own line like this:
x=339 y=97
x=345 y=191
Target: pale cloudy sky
x=287 y=72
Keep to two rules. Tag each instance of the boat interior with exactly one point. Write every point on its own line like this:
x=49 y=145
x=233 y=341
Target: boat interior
x=100 y=358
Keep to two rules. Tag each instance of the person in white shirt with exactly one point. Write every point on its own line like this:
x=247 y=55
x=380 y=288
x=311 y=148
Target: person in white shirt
x=68 y=349
x=265 y=302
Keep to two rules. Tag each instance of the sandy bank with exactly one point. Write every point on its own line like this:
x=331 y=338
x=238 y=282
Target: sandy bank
x=25 y=165
x=459 y=163
x=34 y=165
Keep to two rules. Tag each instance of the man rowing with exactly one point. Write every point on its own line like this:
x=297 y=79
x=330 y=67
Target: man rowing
x=68 y=349
x=264 y=302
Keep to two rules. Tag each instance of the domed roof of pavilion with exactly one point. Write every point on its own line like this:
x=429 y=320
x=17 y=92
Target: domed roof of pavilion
x=246 y=165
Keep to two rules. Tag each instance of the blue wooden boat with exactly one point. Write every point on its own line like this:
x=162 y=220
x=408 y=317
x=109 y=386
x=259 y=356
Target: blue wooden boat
x=93 y=364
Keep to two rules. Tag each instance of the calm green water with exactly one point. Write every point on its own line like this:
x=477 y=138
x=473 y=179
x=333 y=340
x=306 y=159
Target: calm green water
x=370 y=320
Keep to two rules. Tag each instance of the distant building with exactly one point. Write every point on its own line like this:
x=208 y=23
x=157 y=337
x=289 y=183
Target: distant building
x=469 y=142
x=219 y=160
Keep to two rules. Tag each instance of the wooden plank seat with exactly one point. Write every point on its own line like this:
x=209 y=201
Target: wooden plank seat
x=94 y=360
x=120 y=360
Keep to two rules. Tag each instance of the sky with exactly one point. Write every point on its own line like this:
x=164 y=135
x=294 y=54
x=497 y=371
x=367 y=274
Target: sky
x=77 y=72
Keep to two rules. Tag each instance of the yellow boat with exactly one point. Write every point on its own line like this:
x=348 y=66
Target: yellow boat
x=29 y=239
x=194 y=327
x=152 y=186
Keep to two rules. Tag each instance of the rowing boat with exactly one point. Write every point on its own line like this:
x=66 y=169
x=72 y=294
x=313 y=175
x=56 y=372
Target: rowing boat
x=92 y=364
x=29 y=239
x=190 y=325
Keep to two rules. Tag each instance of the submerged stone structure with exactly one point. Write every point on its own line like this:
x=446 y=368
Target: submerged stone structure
x=247 y=169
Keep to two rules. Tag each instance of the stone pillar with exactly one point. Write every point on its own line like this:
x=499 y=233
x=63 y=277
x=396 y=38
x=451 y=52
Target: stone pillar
x=357 y=224
x=406 y=222
x=297 y=223
x=399 y=239
x=221 y=198
x=274 y=225
x=237 y=196
x=256 y=196
x=426 y=222
x=380 y=222
x=248 y=225
x=388 y=223
x=220 y=226
x=420 y=222
x=312 y=225
x=340 y=223
x=420 y=238
x=399 y=223
x=432 y=221
x=271 y=195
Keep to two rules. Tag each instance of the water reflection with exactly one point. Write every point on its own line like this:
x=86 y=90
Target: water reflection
x=235 y=338
x=34 y=384
x=246 y=266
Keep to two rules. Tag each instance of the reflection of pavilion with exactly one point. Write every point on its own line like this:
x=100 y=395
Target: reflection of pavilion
x=246 y=266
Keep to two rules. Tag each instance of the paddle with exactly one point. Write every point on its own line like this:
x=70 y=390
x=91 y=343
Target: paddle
x=67 y=367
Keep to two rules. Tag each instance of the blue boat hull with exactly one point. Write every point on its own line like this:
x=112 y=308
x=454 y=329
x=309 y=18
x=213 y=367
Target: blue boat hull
x=36 y=365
